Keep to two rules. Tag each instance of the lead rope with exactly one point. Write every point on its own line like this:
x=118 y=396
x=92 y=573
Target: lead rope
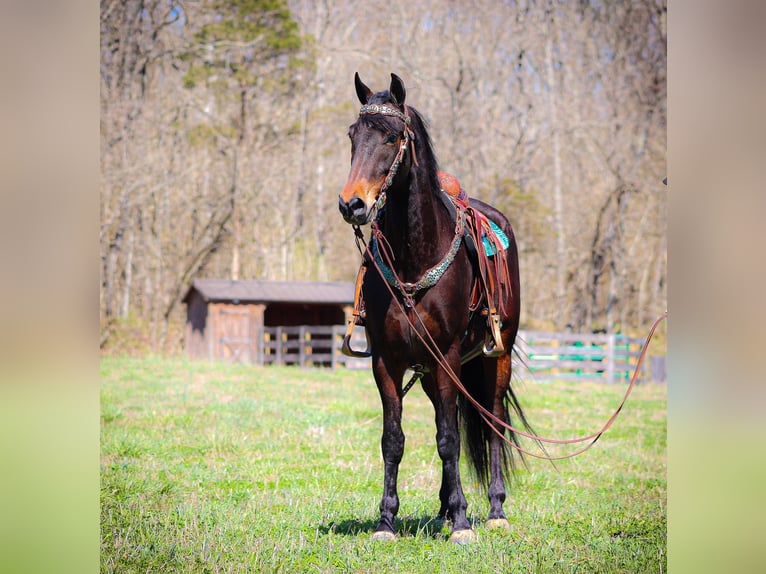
x=488 y=416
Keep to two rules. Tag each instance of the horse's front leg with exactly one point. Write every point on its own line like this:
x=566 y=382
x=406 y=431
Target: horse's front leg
x=392 y=446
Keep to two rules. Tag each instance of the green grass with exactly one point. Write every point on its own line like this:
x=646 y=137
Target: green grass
x=216 y=468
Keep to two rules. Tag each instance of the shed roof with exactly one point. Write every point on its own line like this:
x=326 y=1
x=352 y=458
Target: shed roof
x=256 y=290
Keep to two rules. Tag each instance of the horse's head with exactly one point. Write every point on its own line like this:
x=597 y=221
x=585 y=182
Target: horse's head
x=380 y=139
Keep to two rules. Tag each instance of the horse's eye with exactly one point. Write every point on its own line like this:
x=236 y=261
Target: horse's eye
x=391 y=138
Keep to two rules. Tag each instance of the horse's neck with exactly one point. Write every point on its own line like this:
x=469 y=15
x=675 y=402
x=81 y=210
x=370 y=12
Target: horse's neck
x=414 y=219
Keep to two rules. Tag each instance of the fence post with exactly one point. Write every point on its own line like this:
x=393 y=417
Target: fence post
x=278 y=346
x=610 y=344
x=302 y=346
x=334 y=348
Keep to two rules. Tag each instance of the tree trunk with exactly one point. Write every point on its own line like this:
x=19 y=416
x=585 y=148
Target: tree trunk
x=558 y=198
x=128 y=281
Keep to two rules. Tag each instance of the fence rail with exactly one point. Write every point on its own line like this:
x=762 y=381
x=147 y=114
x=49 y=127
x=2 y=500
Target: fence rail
x=544 y=356
x=579 y=356
x=307 y=346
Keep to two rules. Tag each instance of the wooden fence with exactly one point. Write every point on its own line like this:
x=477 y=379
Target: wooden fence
x=307 y=346
x=579 y=356
x=543 y=356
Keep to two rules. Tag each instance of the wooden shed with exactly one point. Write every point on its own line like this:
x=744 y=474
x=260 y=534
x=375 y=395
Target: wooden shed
x=229 y=320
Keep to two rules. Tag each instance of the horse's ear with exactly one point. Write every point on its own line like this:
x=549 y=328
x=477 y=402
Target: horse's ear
x=398 y=93
x=362 y=92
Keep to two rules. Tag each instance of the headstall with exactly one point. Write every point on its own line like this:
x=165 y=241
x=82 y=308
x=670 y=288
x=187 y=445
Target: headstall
x=409 y=137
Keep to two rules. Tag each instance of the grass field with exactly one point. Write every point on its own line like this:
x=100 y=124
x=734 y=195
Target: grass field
x=218 y=468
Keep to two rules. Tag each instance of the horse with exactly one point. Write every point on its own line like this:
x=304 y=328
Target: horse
x=418 y=314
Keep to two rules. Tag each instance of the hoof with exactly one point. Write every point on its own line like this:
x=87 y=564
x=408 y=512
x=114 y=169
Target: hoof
x=462 y=536
x=384 y=535
x=498 y=523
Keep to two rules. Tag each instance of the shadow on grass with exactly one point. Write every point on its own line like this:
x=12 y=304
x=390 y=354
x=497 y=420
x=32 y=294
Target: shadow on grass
x=426 y=526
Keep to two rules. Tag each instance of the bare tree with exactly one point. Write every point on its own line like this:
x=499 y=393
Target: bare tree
x=224 y=142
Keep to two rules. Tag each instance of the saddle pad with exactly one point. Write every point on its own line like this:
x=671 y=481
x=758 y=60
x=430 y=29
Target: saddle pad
x=489 y=246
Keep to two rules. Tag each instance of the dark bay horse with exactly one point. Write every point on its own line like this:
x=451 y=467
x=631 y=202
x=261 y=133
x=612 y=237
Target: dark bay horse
x=393 y=184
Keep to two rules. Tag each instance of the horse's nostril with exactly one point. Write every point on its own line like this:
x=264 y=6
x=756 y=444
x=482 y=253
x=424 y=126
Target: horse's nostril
x=342 y=206
x=353 y=210
x=356 y=205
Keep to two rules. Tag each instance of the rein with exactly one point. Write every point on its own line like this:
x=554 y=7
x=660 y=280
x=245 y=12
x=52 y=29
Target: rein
x=485 y=414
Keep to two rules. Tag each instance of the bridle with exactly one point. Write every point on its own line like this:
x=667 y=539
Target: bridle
x=407 y=141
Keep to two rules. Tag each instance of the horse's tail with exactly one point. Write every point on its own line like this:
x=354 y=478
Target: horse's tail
x=476 y=433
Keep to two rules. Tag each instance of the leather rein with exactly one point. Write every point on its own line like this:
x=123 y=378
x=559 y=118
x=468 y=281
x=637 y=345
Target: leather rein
x=489 y=418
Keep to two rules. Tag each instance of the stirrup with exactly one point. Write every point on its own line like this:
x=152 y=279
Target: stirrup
x=493 y=342
x=346 y=346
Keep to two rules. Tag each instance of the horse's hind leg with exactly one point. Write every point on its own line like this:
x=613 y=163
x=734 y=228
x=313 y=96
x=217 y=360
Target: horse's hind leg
x=498 y=375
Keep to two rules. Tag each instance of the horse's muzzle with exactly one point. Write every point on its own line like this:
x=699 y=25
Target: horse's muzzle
x=353 y=211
